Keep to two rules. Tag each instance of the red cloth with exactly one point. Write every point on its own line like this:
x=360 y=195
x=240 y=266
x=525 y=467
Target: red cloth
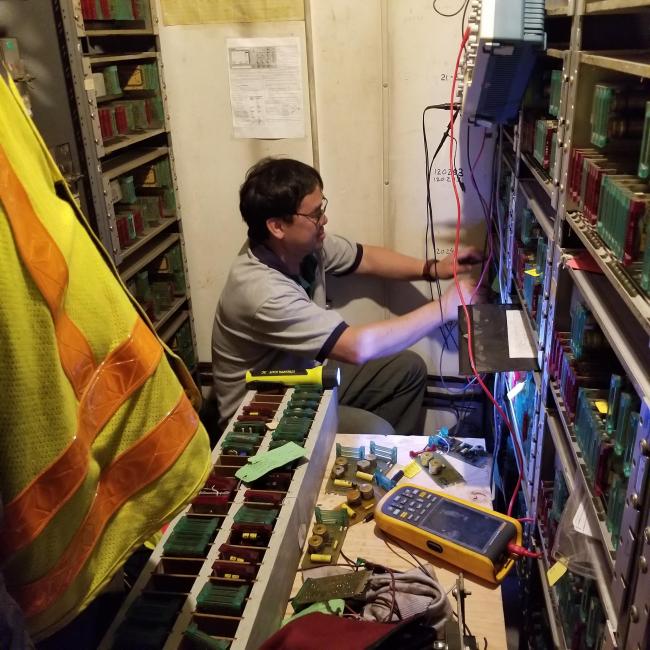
x=317 y=631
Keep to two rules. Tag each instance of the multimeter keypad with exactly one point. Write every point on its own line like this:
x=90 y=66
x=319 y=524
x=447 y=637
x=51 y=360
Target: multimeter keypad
x=410 y=505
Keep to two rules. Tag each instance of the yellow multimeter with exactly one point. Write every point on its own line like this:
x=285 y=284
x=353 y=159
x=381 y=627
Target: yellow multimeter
x=472 y=537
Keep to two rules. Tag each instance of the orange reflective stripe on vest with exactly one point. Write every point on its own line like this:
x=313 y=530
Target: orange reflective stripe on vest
x=102 y=446
x=123 y=371
x=49 y=270
x=136 y=468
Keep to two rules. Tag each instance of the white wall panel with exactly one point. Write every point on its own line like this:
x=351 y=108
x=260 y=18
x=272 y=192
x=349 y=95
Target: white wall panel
x=347 y=39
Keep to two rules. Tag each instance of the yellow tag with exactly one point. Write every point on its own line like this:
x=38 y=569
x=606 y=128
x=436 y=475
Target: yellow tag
x=150 y=178
x=136 y=80
x=602 y=406
x=556 y=572
x=412 y=469
x=534 y=272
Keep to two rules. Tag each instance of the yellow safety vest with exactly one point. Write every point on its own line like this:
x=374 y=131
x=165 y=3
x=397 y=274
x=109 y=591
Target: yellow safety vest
x=99 y=442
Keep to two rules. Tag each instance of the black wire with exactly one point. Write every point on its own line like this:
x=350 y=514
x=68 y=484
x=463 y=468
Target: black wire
x=462 y=24
x=450 y=330
x=471 y=170
x=459 y=180
x=422 y=567
x=392 y=550
x=486 y=208
x=446 y=329
x=349 y=561
x=455 y=141
x=444 y=135
x=467 y=630
x=440 y=13
x=389 y=618
x=493 y=199
x=429 y=227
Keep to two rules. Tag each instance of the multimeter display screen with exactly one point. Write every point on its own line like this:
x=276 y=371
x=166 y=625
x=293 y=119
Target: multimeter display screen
x=462 y=525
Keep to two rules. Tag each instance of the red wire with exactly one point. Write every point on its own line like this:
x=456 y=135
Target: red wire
x=470 y=346
x=515 y=549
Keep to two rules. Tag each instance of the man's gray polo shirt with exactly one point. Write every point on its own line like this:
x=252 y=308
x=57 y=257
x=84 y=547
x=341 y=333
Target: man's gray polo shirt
x=269 y=319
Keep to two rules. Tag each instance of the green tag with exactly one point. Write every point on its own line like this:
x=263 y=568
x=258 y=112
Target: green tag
x=267 y=461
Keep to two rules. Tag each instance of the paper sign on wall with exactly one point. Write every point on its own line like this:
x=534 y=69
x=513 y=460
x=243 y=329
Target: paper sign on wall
x=266 y=89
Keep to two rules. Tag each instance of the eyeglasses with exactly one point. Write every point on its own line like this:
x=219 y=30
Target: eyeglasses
x=316 y=215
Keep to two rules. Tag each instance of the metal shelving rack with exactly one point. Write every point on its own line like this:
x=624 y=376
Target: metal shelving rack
x=86 y=48
x=620 y=308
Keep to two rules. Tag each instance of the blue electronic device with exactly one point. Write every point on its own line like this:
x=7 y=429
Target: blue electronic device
x=505 y=38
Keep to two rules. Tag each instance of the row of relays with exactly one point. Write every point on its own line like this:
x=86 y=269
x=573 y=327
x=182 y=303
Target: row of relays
x=215 y=549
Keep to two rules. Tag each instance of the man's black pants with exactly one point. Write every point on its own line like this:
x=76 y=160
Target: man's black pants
x=391 y=387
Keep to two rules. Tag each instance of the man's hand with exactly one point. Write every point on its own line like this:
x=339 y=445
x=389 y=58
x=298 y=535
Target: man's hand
x=468 y=256
x=450 y=300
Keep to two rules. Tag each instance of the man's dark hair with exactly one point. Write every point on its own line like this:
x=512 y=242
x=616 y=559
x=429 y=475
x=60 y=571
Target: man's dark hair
x=274 y=187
